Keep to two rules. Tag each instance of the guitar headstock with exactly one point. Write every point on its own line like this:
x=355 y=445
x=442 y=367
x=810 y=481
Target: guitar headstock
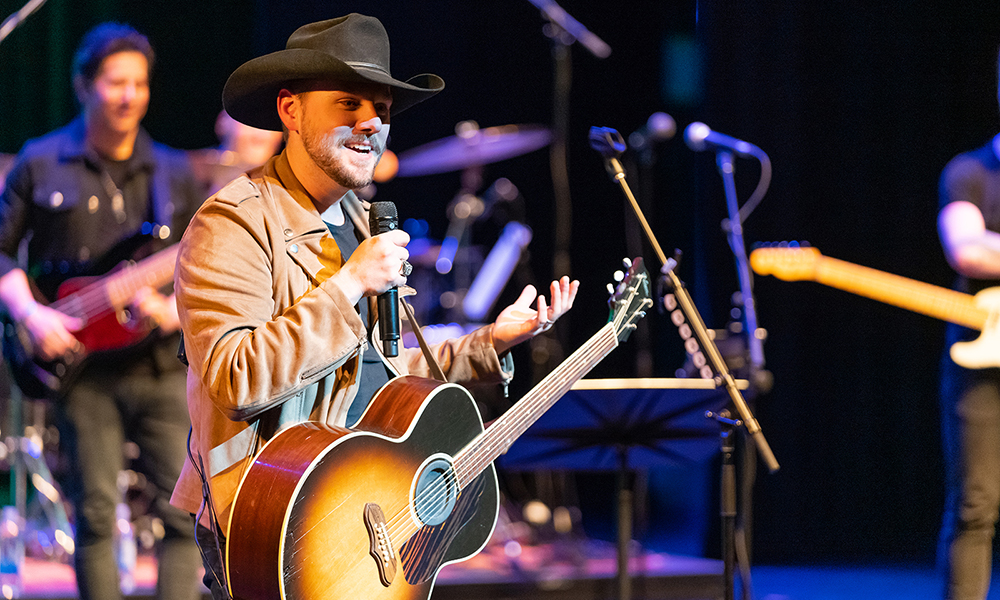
x=789 y=262
x=630 y=298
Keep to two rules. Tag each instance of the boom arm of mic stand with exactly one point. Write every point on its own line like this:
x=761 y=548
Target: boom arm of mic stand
x=11 y=22
x=690 y=311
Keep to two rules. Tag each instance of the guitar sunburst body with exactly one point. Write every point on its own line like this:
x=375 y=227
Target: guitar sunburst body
x=980 y=312
x=298 y=529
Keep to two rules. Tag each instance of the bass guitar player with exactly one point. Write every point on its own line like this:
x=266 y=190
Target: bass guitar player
x=77 y=202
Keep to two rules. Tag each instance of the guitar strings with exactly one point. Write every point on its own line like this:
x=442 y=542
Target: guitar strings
x=398 y=525
x=509 y=427
x=504 y=431
x=514 y=427
x=493 y=442
x=94 y=300
x=433 y=495
x=590 y=353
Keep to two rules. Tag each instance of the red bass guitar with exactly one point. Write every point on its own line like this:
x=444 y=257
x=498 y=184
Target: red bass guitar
x=101 y=303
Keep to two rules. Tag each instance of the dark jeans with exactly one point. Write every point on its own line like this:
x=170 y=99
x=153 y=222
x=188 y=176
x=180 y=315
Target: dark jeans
x=211 y=556
x=970 y=427
x=103 y=410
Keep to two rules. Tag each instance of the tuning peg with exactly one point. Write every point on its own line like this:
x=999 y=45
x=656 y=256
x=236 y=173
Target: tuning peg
x=784 y=244
x=627 y=262
x=619 y=276
x=611 y=289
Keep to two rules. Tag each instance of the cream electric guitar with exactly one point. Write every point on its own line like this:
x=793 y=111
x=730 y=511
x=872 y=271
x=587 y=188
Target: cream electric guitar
x=980 y=312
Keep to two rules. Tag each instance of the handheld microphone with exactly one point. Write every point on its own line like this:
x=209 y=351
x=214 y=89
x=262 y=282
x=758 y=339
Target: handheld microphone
x=382 y=218
x=660 y=127
x=699 y=136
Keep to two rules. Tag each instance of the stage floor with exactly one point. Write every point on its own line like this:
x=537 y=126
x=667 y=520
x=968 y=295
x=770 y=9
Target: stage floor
x=536 y=575
x=577 y=571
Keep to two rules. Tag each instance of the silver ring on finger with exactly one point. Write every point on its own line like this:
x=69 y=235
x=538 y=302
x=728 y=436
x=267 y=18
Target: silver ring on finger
x=405 y=269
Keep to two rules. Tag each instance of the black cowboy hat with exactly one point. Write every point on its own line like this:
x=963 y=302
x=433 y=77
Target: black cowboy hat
x=351 y=48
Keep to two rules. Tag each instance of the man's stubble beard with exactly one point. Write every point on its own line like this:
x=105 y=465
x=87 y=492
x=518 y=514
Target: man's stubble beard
x=322 y=149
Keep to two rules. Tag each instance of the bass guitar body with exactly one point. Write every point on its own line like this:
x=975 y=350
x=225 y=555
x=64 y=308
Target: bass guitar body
x=108 y=331
x=370 y=513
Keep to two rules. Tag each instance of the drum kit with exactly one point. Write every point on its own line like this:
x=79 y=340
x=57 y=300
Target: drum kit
x=444 y=272
x=472 y=147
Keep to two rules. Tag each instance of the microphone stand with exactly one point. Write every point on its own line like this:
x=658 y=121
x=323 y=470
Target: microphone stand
x=11 y=22
x=727 y=490
x=611 y=145
x=563 y=30
x=722 y=375
x=759 y=378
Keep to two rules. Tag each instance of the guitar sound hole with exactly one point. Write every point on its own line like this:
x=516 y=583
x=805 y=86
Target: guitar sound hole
x=436 y=492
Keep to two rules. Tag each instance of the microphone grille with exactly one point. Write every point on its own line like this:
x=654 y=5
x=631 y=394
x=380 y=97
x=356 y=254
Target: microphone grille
x=382 y=217
x=695 y=135
x=383 y=210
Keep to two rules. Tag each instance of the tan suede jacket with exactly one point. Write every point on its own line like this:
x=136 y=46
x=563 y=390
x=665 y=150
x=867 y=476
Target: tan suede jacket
x=269 y=341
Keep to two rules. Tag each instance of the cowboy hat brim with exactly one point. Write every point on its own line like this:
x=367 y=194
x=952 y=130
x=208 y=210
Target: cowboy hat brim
x=251 y=92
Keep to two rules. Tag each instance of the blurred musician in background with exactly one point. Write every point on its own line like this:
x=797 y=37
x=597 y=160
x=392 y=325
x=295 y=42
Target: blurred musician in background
x=78 y=200
x=278 y=272
x=969 y=226
x=241 y=148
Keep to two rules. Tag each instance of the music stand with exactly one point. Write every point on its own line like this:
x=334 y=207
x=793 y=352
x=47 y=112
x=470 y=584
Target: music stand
x=623 y=425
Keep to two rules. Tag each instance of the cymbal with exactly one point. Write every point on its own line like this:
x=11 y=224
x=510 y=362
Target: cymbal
x=473 y=147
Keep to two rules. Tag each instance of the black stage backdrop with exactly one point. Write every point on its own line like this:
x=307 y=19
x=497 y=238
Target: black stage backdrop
x=859 y=105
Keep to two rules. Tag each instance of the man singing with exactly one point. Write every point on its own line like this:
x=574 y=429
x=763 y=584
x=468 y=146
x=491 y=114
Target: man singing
x=278 y=273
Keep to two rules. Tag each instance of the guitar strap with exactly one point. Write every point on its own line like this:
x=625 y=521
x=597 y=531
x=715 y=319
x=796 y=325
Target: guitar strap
x=436 y=370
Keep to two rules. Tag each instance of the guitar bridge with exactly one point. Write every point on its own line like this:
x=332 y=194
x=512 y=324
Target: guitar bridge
x=380 y=545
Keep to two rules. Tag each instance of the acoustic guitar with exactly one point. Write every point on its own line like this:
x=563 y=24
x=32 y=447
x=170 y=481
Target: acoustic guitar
x=980 y=312
x=101 y=303
x=373 y=513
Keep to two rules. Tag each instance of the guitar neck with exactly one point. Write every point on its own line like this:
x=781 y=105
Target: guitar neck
x=931 y=300
x=117 y=289
x=493 y=442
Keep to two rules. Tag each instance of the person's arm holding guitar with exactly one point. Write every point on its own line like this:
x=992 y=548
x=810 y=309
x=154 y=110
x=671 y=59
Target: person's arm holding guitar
x=50 y=331
x=971 y=248
x=49 y=334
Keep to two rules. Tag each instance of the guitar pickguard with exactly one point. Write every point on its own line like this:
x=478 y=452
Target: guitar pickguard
x=984 y=351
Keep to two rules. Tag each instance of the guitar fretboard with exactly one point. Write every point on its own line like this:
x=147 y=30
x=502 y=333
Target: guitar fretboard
x=931 y=300
x=493 y=442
